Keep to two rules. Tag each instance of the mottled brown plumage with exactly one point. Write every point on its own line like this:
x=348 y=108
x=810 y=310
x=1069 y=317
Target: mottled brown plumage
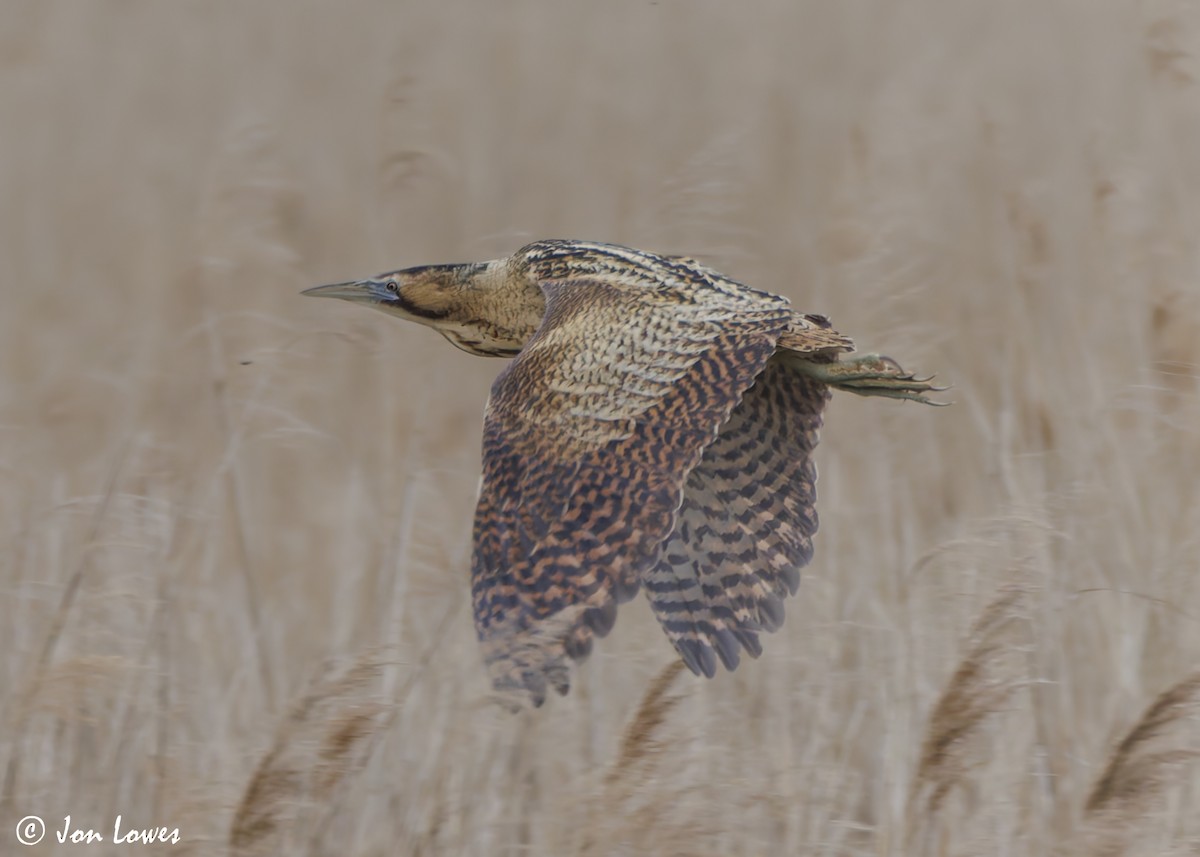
x=655 y=429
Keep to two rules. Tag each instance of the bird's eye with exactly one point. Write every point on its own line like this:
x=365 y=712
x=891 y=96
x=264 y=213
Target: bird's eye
x=392 y=287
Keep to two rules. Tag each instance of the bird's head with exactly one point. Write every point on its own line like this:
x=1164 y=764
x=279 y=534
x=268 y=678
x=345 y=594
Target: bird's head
x=458 y=301
x=427 y=294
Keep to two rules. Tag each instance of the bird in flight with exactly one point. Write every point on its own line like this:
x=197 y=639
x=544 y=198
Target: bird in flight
x=654 y=430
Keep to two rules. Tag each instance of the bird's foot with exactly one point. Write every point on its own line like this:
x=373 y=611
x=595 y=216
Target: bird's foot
x=872 y=375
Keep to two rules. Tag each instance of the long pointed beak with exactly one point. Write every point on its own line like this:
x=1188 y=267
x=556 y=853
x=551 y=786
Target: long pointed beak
x=363 y=291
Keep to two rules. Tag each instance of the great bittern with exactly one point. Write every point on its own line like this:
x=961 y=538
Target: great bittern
x=655 y=429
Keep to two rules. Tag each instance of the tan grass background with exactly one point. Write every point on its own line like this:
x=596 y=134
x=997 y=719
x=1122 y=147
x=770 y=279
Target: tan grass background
x=210 y=487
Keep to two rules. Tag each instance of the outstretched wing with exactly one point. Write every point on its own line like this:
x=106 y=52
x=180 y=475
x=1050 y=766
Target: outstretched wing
x=746 y=525
x=589 y=436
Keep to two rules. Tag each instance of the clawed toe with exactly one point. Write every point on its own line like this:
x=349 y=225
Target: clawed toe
x=875 y=375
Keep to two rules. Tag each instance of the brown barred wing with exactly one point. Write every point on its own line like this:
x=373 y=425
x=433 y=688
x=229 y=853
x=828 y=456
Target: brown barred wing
x=589 y=436
x=746 y=525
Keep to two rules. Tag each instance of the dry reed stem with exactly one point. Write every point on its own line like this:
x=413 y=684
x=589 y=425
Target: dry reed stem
x=640 y=742
x=982 y=684
x=234 y=493
x=640 y=808
x=66 y=601
x=319 y=744
x=1140 y=769
x=331 y=733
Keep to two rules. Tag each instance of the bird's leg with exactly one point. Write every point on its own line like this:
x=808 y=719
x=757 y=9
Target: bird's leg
x=870 y=375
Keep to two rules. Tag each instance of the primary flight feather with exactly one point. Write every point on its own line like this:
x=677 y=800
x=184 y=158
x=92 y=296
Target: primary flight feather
x=654 y=430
